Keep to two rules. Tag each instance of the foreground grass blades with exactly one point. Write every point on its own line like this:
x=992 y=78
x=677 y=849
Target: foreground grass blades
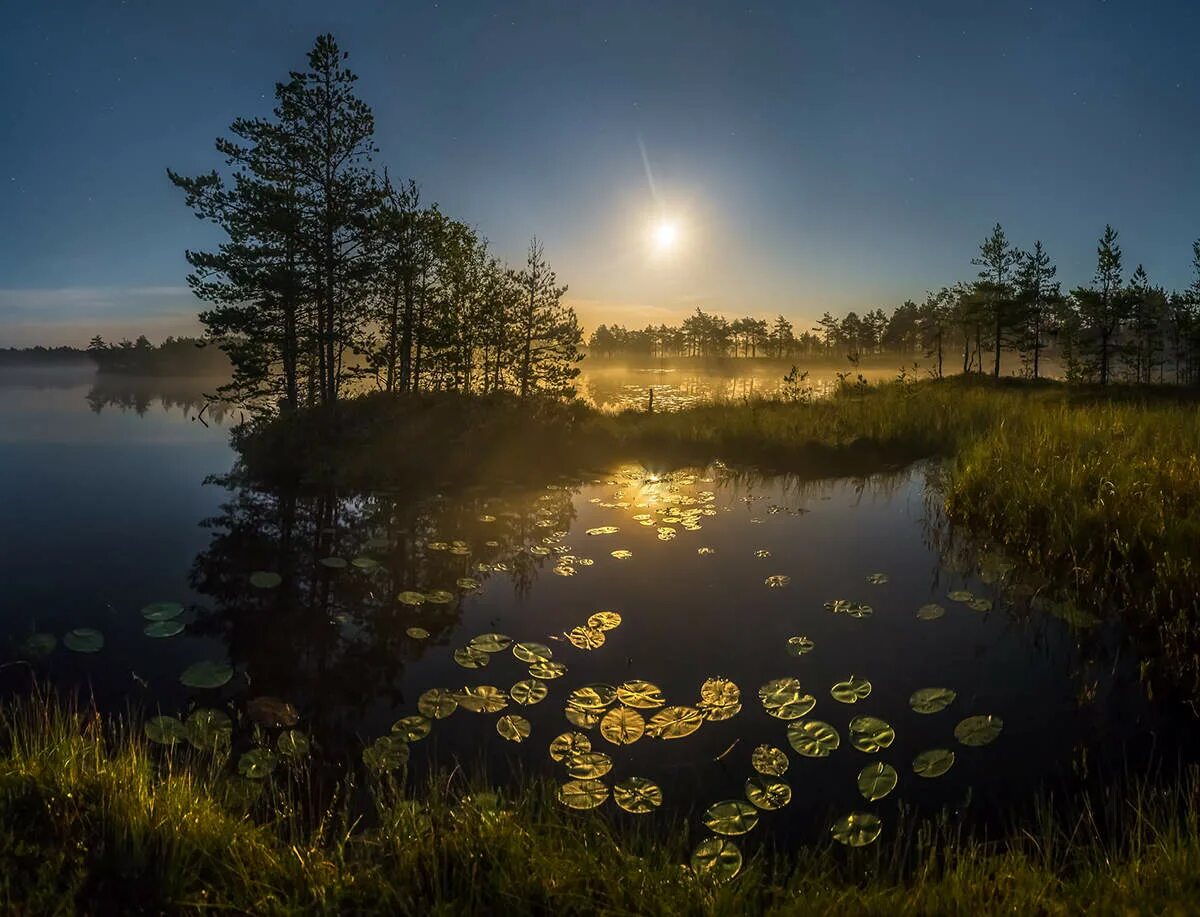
x=94 y=819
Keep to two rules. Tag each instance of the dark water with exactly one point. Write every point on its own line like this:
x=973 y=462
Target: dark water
x=106 y=508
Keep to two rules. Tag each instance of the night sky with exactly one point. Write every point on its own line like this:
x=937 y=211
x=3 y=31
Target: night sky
x=838 y=155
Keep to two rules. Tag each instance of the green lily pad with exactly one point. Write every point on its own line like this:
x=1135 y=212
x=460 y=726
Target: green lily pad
x=470 y=658
x=365 y=563
x=730 y=817
x=769 y=760
x=482 y=699
x=568 y=745
x=165 y=730
x=785 y=699
x=38 y=645
x=385 y=754
x=857 y=829
x=412 y=728
x=417 y=633
x=637 y=795
x=717 y=858
x=813 y=738
x=490 y=643
x=292 y=744
x=257 y=763
x=532 y=652
x=206 y=674
x=877 y=579
x=961 y=595
x=163 y=629
x=799 y=646
x=437 y=703
x=265 y=579
x=930 y=612
x=409 y=597
x=582 y=794
x=976 y=731
x=439 y=597
x=931 y=700
x=768 y=795
x=851 y=691
x=588 y=765
x=333 y=563
x=547 y=670
x=162 y=611
x=271 y=712
x=208 y=729
x=933 y=763
x=870 y=734
x=877 y=780
x=84 y=640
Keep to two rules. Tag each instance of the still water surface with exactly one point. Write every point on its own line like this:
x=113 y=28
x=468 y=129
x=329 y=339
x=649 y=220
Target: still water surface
x=116 y=497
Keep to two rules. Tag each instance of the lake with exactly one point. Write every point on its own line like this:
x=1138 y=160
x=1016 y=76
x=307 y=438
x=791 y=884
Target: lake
x=843 y=597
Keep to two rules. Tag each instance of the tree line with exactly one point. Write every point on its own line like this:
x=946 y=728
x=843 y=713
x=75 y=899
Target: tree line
x=175 y=356
x=1115 y=327
x=334 y=278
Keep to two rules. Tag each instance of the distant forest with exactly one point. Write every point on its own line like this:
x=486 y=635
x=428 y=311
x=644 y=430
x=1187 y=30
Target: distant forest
x=1115 y=328
x=175 y=356
x=332 y=275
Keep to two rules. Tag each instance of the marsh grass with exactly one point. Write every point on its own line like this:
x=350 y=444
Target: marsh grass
x=94 y=819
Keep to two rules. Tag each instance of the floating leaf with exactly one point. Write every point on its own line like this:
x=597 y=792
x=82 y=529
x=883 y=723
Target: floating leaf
x=604 y=620
x=163 y=629
x=621 y=554
x=437 y=703
x=206 y=674
x=717 y=858
x=417 y=633
x=813 y=738
x=730 y=817
x=960 y=595
x=387 y=753
x=568 y=745
x=84 y=640
x=798 y=646
x=37 y=645
x=719 y=692
x=333 y=563
x=528 y=692
x=784 y=699
x=292 y=744
x=490 y=643
x=532 y=652
x=409 y=597
x=976 y=731
x=547 y=670
x=933 y=763
x=468 y=584
x=412 y=728
x=586 y=638
x=638 y=795
x=674 y=722
x=588 y=765
x=622 y=726
x=857 y=829
x=871 y=734
x=582 y=717
x=931 y=700
x=265 y=579
x=603 y=530
x=162 y=611
x=930 y=612
x=851 y=691
x=716 y=713
x=439 y=597
x=777 y=581
x=768 y=795
x=706 y=552
x=877 y=579
x=209 y=729
x=257 y=763
x=877 y=780
x=482 y=699
x=980 y=604
x=644 y=695
x=512 y=727
x=365 y=563
x=769 y=760
x=271 y=712
x=165 y=730
x=470 y=658
x=582 y=794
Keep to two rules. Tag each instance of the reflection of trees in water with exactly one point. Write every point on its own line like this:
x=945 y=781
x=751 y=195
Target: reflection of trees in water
x=140 y=394
x=334 y=641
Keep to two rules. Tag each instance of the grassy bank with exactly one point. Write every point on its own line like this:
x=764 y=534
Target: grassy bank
x=93 y=819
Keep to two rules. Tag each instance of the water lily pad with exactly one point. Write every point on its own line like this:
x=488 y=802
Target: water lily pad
x=365 y=563
x=777 y=581
x=257 y=763
x=209 y=729
x=604 y=620
x=813 y=738
x=528 y=692
x=976 y=731
x=582 y=794
x=719 y=692
x=482 y=699
x=387 y=753
x=762 y=553
x=588 y=765
x=596 y=696
x=960 y=595
x=437 y=703
x=512 y=727
x=582 y=717
x=265 y=579
x=439 y=597
x=412 y=728
x=644 y=695
x=271 y=712
x=38 y=645
x=162 y=611
x=622 y=726
x=877 y=579
x=490 y=643
x=857 y=829
x=206 y=674
x=877 y=780
x=165 y=730
x=333 y=563
x=730 y=817
x=637 y=795
x=470 y=658
x=930 y=612
x=851 y=691
x=768 y=795
x=706 y=551
x=586 y=638
x=417 y=633
x=468 y=584
x=980 y=604
x=532 y=652
x=603 y=530
x=292 y=744
x=568 y=745
x=933 y=763
x=785 y=699
x=769 y=760
x=931 y=700
x=163 y=629
x=547 y=670
x=84 y=640
x=674 y=722
x=621 y=554
x=409 y=597
x=799 y=646
x=717 y=858
x=870 y=734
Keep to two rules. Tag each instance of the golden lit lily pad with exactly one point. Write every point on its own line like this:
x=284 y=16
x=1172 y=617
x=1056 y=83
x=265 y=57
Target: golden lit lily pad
x=586 y=638
x=813 y=738
x=292 y=744
x=870 y=734
x=976 y=731
x=588 y=765
x=417 y=633
x=674 y=722
x=769 y=760
x=717 y=858
x=437 y=703
x=799 y=646
x=528 y=692
x=582 y=794
x=568 y=745
x=730 y=817
x=412 y=728
x=851 y=691
x=857 y=829
x=482 y=699
x=597 y=696
x=785 y=699
x=490 y=643
x=532 y=652
x=877 y=780
x=387 y=753
x=637 y=795
x=930 y=612
x=471 y=658
x=643 y=695
x=931 y=700
x=604 y=620
x=877 y=579
x=961 y=595
x=622 y=726
x=933 y=763
x=777 y=581
x=512 y=727
x=209 y=729
x=409 y=597
x=547 y=670
x=621 y=554
x=768 y=795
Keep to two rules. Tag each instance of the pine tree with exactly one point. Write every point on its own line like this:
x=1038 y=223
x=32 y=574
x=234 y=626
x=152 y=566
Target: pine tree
x=547 y=332
x=1101 y=308
x=1037 y=294
x=998 y=260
